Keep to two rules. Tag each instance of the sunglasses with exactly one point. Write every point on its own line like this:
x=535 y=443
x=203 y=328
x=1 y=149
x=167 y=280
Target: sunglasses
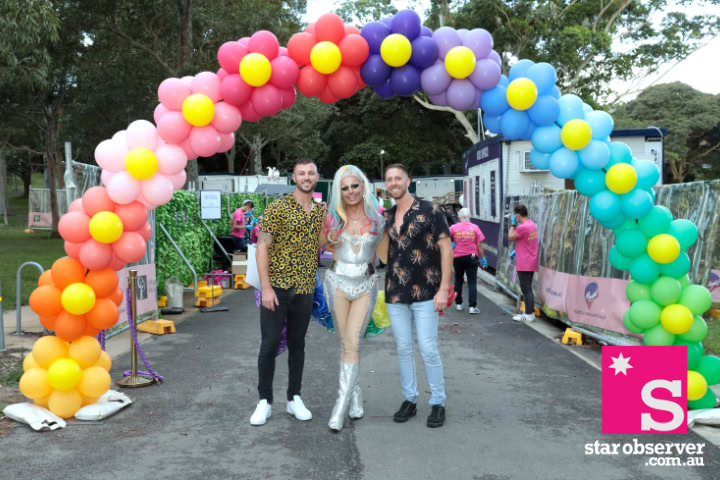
x=354 y=186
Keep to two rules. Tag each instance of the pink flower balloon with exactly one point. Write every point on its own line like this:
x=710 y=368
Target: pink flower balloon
x=133 y=215
x=129 y=248
x=145 y=231
x=76 y=206
x=74 y=227
x=160 y=110
x=117 y=264
x=123 y=188
x=266 y=100
x=208 y=84
x=227 y=140
x=265 y=43
x=95 y=255
x=95 y=200
x=227 y=118
x=141 y=134
x=157 y=190
x=178 y=180
x=204 y=141
x=248 y=113
x=110 y=154
x=149 y=206
x=285 y=72
x=171 y=159
x=72 y=249
x=172 y=92
x=188 y=151
x=288 y=97
x=105 y=177
x=235 y=91
x=221 y=73
x=230 y=54
x=187 y=80
x=173 y=128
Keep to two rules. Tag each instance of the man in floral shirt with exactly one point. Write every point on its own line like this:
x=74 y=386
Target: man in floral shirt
x=416 y=287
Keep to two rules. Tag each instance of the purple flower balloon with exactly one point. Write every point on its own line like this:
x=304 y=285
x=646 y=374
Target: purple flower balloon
x=486 y=74
x=476 y=103
x=440 y=99
x=435 y=80
x=387 y=21
x=426 y=32
x=385 y=90
x=424 y=52
x=374 y=33
x=461 y=94
x=462 y=32
x=375 y=72
x=405 y=80
x=446 y=39
x=495 y=57
x=479 y=41
x=408 y=23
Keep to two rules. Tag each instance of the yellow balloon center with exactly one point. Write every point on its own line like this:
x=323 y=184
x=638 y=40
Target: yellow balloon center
x=460 y=62
x=325 y=57
x=521 y=93
x=106 y=227
x=696 y=385
x=576 y=134
x=141 y=163
x=663 y=248
x=621 y=178
x=396 y=50
x=64 y=374
x=78 y=298
x=255 y=69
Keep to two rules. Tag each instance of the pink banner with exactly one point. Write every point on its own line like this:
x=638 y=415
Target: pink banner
x=596 y=301
x=714 y=285
x=552 y=288
x=37 y=219
x=145 y=290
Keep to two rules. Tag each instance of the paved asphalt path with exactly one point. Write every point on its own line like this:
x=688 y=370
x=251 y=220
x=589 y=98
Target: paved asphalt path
x=519 y=406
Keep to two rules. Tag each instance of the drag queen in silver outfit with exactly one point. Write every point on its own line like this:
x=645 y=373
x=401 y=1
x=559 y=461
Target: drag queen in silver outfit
x=354 y=228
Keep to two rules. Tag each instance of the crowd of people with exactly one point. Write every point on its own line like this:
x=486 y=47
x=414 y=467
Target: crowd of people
x=419 y=250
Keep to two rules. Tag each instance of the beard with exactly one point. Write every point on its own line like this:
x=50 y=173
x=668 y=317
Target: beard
x=306 y=189
x=399 y=194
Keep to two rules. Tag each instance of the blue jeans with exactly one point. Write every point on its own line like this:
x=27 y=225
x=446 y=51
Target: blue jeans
x=426 y=325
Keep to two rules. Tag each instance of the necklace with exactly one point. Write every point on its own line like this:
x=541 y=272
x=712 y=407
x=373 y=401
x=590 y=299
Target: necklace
x=357 y=219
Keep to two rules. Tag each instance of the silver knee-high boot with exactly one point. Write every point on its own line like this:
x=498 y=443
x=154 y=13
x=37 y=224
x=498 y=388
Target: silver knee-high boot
x=348 y=379
x=356 y=403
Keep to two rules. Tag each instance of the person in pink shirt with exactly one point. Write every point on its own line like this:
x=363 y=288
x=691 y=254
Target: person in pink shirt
x=523 y=232
x=468 y=254
x=238 y=228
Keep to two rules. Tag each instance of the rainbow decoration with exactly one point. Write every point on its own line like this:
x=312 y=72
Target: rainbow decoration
x=198 y=115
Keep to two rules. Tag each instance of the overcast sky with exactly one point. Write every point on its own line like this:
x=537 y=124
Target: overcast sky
x=701 y=70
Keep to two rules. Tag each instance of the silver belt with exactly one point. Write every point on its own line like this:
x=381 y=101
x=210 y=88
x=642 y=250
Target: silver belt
x=352 y=269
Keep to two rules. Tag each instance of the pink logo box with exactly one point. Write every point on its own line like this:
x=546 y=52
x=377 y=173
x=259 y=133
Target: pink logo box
x=644 y=390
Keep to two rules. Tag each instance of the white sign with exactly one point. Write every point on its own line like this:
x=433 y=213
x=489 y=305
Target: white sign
x=210 y=205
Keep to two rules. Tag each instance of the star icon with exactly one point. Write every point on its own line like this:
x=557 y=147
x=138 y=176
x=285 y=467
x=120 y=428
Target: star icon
x=621 y=364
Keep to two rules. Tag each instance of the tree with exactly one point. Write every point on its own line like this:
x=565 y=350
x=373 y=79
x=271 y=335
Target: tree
x=692 y=119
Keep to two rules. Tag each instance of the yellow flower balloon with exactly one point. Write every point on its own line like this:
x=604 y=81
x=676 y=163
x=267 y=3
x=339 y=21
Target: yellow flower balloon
x=621 y=178
x=34 y=383
x=396 y=50
x=697 y=385
x=325 y=57
x=576 y=134
x=521 y=93
x=29 y=362
x=255 y=69
x=198 y=110
x=48 y=349
x=77 y=299
x=676 y=319
x=141 y=163
x=64 y=374
x=663 y=248
x=106 y=227
x=65 y=403
x=460 y=62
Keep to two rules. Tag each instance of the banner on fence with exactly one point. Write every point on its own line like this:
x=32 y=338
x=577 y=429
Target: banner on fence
x=145 y=290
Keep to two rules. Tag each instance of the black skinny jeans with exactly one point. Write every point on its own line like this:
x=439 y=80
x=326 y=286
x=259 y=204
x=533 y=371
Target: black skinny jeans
x=462 y=265
x=297 y=308
x=526 y=279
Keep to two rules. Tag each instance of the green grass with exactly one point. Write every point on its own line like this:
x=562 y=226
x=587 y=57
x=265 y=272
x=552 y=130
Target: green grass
x=13 y=376
x=18 y=247
x=712 y=341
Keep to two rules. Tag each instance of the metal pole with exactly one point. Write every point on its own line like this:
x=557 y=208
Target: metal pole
x=2 y=325
x=133 y=381
x=162 y=227
x=216 y=241
x=18 y=285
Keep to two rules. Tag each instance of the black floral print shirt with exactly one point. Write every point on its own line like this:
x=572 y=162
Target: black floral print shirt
x=414 y=262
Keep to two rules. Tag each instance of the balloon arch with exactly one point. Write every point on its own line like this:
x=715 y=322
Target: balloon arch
x=197 y=117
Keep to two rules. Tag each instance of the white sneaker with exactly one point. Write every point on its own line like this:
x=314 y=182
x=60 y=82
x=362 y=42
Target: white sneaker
x=458 y=308
x=297 y=408
x=474 y=310
x=263 y=411
x=518 y=317
x=529 y=317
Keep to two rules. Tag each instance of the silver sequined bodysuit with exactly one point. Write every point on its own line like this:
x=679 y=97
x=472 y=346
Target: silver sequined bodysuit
x=350 y=272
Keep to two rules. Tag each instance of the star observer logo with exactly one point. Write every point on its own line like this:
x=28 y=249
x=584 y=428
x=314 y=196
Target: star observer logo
x=644 y=390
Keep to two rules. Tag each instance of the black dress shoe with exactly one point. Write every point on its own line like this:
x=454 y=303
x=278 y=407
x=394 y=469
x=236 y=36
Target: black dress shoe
x=407 y=410
x=437 y=417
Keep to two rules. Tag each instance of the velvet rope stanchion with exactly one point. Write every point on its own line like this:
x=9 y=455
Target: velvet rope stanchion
x=131 y=379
